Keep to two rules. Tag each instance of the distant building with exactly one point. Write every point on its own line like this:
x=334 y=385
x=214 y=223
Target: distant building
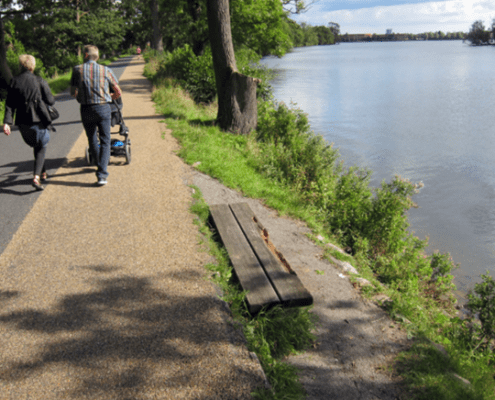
x=390 y=31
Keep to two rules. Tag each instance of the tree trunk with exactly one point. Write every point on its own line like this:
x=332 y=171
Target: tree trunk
x=157 y=29
x=237 y=107
x=198 y=40
x=5 y=72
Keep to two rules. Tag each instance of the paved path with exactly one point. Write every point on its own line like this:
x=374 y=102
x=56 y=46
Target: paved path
x=103 y=291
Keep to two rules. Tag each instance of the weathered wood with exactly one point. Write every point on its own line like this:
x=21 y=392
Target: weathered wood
x=288 y=286
x=246 y=265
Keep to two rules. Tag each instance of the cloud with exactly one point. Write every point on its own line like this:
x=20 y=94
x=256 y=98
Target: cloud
x=446 y=16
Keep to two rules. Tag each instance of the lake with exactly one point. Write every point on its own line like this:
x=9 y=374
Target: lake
x=422 y=110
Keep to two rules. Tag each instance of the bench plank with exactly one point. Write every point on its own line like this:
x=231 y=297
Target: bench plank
x=246 y=265
x=288 y=286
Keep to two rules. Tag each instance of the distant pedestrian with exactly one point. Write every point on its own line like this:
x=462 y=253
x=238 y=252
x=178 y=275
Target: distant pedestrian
x=90 y=84
x=138 y=51
x=27 y=97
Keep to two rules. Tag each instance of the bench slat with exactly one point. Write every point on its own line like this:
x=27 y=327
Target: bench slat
x=247 y=267
x=288 y=286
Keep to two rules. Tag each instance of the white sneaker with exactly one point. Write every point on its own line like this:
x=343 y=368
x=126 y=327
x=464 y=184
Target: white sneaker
x=102 y=182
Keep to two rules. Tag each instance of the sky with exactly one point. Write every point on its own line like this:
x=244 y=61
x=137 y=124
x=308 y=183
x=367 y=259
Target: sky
x=402 y=16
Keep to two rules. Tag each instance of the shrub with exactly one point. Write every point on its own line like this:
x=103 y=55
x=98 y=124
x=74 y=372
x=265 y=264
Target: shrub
x=291 y=152
x=482 y=303
x=195 y=74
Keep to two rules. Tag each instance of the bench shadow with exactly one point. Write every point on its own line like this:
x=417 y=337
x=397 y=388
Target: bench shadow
x=115 y=338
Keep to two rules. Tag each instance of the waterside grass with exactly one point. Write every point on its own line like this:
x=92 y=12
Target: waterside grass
x=417 y=286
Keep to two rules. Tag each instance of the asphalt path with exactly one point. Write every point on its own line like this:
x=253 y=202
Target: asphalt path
x=17 y=196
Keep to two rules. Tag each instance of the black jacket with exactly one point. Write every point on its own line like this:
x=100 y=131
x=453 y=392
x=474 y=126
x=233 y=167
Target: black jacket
x=26 y=98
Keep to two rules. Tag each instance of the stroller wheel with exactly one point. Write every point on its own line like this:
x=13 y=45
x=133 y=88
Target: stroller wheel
x=127 y=149
x=89 y=157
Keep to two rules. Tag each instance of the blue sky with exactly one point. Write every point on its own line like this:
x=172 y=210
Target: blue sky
x=402 y=16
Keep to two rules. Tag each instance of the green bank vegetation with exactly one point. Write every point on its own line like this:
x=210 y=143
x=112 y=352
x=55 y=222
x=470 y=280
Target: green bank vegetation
x=294 y=171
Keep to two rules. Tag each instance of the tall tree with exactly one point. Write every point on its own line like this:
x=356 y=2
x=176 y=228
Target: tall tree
x=478 y=35
x=157 y=29
x=237 y=106
x=335 y=28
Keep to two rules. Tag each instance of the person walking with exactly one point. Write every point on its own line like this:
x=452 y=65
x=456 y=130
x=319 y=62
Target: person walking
x=90 y=85
x=27 y=96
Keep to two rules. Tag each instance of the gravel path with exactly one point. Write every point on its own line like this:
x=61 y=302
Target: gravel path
x=103 y=291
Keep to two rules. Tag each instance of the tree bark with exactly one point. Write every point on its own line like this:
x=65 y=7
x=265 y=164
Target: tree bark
x=237 y=107
x=157 y=29
x=5 y=72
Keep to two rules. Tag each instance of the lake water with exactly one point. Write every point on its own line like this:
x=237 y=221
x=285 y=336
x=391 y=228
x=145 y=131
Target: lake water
x=422 y=110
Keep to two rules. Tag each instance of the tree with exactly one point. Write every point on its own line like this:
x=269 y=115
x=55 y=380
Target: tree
x=335 y=28
x=259 y=25
x=237 y=106
x=297 y=6
x=157 y=42
x=478 y=35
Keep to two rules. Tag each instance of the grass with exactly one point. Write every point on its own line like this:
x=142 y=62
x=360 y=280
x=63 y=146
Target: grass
x=232 y=160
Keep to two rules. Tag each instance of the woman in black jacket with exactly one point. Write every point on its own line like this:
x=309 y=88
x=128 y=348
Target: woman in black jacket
x=27 y=97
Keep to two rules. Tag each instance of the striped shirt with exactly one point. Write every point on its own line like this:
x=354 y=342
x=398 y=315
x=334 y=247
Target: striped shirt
x=93 y=82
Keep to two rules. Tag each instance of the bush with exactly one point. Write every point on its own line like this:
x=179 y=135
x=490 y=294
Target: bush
x=482 y=303
x=195 y=74
x=291 y=152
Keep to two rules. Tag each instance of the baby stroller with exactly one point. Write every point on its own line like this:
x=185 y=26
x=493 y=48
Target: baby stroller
x=118 y=148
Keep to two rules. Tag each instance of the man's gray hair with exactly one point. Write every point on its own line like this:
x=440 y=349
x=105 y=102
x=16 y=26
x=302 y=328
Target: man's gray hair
x=92 y=52
x=28 y=62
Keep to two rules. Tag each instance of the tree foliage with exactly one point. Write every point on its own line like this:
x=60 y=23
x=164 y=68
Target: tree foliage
x=55 y=32
x=478 y=35
x=259 y=25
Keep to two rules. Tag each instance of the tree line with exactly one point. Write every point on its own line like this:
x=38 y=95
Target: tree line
x=54 y=31
x=402 y=36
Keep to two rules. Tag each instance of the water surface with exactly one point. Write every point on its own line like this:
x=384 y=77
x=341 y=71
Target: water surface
x=423 y=110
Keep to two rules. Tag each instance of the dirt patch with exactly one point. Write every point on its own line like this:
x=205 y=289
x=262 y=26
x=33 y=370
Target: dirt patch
x=357 y=341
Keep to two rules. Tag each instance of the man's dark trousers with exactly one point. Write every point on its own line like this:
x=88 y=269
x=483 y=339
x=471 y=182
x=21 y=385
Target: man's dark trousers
x=96 y=117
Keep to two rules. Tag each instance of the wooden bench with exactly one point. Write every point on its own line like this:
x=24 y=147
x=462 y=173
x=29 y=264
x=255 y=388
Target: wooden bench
x=267 y=278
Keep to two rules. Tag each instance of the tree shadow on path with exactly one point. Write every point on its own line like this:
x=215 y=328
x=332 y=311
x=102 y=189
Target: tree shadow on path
x=116 y=338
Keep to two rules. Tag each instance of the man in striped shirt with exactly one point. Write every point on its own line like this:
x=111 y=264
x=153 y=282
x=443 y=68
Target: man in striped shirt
x=90 y=85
